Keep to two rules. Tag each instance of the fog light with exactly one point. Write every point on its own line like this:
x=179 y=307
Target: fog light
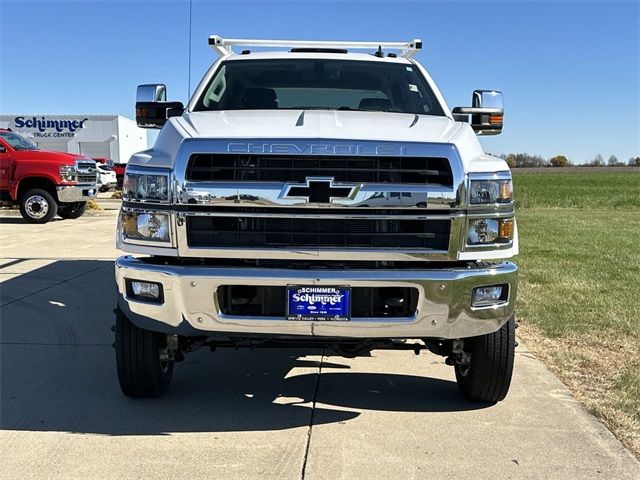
x=489 y=295
x=146 y=291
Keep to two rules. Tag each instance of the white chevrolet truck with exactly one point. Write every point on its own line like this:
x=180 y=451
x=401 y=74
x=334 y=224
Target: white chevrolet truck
x=321 y=195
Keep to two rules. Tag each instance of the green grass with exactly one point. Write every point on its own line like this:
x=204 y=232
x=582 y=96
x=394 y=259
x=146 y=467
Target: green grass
x=579 y=287
x=606 y=190
x=579 y=251
x=580 y=270
x=627 y=391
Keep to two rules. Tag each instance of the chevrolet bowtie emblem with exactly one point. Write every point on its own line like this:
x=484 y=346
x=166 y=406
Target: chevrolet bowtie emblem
x=318 y=190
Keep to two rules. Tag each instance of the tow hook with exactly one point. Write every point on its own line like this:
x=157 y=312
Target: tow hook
x=172 y=351
x=458 y=355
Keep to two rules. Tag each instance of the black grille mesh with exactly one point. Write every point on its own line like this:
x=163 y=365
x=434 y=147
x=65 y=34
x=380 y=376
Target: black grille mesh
x=212 y=231
x=289 y=168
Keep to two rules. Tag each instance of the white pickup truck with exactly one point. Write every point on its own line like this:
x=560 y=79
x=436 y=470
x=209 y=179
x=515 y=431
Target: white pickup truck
x=314 y=196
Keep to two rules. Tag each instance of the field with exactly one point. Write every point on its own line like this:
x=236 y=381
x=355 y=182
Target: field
x=579 y=295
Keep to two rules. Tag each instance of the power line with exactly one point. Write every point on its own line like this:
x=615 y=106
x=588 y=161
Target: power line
x=190 y=17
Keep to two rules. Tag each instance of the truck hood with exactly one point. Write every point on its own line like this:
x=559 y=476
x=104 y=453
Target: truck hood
x=318 y=124
x=62 y=158
x=343 y=125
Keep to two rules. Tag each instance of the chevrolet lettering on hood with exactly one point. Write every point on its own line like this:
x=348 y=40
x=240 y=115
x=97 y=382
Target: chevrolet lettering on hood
x=318 y=148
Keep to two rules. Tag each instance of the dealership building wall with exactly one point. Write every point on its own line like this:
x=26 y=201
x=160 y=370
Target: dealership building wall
x=95 y=136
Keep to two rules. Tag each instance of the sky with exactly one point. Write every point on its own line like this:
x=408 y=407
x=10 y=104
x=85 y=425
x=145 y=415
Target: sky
x=569 y=70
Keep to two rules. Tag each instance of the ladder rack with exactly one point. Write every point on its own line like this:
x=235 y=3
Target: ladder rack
x=224 y=45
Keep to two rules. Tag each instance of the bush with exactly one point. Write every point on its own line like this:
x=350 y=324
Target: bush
x=93 y=205
x=560 y=161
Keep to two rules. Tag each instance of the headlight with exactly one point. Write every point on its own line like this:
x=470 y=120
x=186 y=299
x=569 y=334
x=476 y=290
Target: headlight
x=484 y=231
x=146 y=186
x=489 y=192
x=68 y=173
x=146 y=226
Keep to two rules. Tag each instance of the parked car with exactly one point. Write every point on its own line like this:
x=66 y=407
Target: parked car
x=106 y=177
x=44 y=183
x=119 y=169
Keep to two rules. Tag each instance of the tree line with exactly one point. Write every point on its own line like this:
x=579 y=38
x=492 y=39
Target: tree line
x=522 y=160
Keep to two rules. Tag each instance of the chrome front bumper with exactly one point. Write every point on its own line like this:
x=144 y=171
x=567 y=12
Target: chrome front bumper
x=76 y=193
x=191 y=307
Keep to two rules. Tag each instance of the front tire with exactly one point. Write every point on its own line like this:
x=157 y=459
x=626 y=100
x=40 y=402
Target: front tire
x=38 y=206
x=141 y=372
x=488 y=376
x=70 y=211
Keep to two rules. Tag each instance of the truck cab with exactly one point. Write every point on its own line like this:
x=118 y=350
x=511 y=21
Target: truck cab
x=44 y=183
x=321 y=194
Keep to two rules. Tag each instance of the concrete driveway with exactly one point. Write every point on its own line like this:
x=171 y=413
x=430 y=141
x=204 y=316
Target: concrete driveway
x=242 y=414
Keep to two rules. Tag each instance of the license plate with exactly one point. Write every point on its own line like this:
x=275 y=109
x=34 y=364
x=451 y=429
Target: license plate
x=319 y=303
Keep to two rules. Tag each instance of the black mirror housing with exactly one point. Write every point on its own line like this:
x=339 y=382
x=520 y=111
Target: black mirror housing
x=155 y=114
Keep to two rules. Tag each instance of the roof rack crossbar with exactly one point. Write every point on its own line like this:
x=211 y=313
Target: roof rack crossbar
x=224 y=46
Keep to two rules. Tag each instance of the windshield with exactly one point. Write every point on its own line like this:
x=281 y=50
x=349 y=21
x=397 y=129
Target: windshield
x=103 y=167
x=319 y=84
x=17 y=142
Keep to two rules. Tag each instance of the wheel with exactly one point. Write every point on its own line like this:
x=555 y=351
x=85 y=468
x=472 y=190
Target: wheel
x=488 y=375
x=72 y=210
x=37 y=206
x=141 y=372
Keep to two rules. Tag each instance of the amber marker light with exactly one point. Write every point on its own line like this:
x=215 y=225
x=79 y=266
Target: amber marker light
x=505 y=229
x=506 y=191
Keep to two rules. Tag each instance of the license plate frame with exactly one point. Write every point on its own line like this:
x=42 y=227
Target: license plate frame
x=321 y=310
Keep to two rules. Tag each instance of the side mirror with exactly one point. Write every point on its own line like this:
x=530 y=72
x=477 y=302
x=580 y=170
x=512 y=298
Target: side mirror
x=152 y=108
x=487 y=112
x=3 y=149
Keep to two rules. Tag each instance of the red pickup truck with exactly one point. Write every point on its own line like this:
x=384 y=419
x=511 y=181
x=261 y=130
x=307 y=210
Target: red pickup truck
x=44 y=183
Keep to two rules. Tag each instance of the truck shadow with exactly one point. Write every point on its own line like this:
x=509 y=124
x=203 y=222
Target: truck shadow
x=57 y=372
x=16 y=220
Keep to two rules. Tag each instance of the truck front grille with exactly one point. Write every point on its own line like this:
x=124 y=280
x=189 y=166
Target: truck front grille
x=277 y=232
x=291 y=168
x=86 y=172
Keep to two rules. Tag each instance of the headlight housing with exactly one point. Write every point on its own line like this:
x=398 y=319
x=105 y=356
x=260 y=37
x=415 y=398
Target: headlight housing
x=68 y=173
x=152 y=186
x=491 y=191
x=146 y=226
x=488 y=231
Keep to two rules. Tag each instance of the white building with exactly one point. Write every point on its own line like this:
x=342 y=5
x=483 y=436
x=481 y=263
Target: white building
x=94 y=136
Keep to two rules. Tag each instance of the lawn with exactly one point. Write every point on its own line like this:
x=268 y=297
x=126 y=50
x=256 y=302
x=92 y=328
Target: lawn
x=579 y=294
